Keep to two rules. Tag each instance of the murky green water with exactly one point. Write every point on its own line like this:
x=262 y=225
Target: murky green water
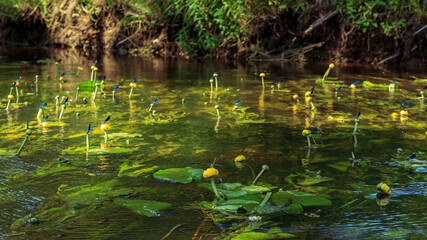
x=56 y=189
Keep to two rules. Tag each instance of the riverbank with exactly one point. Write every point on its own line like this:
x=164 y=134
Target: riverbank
x=376 y=32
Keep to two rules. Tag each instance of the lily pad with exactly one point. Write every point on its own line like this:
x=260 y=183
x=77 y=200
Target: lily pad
x=181 y=175
x=143 y=207
x=305 y=199
x=88 y=86
x=124 y=135
x=134 y=170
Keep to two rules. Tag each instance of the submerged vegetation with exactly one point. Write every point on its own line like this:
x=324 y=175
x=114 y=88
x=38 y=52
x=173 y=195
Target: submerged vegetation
x=352 y=30
x=234 y=161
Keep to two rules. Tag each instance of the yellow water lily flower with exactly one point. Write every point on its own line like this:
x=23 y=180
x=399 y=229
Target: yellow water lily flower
x=262 y=74
x=295 y=96
x=95 y=69
x=306 y=132
x=45 y=124
x=80 y=68
x=105 y=126
x=404 y=113
x=331 y=65
x=210 y=172
x=10 y=96
x=132 y=84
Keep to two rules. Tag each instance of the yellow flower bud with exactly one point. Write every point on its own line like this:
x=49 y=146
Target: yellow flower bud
x=45 y=124
x=10 y=96
x=132 y=84
x=16 y=83
x=95 y=69
x=215 y=74
x=383 y=188
x=240 y=158
x=262 y=74
x=295 y=96
x=307 y=93
x=331 y=65
x=80 y=68
x=210 y=172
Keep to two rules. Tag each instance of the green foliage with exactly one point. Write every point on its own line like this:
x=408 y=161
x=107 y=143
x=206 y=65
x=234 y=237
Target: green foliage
x=389 y=17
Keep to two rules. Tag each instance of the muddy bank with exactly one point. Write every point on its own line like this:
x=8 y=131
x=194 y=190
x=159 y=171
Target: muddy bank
x=323 y=33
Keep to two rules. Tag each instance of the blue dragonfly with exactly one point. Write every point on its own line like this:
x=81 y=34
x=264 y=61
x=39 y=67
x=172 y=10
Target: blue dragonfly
x=152 y=104
x=44 y=105
x=106 y=120
x=134 y=80
x=238 y=102
x=94 y=63
x=116 y=88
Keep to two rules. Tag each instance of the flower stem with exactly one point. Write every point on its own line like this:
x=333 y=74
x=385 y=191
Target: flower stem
x=87 y=142
x=355 y=127
x=308 y=141
x=257 y=177
x=22 y=145
x=215 y=189
x=131 y=91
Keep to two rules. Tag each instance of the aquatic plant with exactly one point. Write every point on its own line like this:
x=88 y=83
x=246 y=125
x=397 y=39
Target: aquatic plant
x=77 y=94
x=44 y=121
x=40 y=114
x=114 y=91
x=265 y=168
x=212 y=81
x=278 y=84
x=215 y=76
x=353 y=85
x=79 y=69
x=307 y=133
x=92 y=67
x=356 y=122
x=87 y=136
x=236 y=105
x=132 y=85
x=331 y=66
x=104 y=127
x=217 y=110
x=95 y=92
x=61 y=78
x=262 y=75
x=210 y=173
x=383 y=189
x=16 y=86
x=28 y=133
x=152 y=104
x=64 y=106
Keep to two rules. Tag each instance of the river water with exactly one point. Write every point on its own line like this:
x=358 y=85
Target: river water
x=57 y=189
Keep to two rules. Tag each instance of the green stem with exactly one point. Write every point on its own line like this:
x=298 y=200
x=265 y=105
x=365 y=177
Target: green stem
x=216 y=83
x=17 y=91
x=355 y=127
x=77 y=94
x=131 y=91
x=308 y=141
x=87 y=142
x=91 y=76
x=263 y=86
x=105 y=136
x=62 y=112
x=39 y=114
x=326 y=74
x=215 y=189
x=257 y=177
x=96 y=91
x=211 y=86
x=8 y=103
x=22 y=145
x=10 y=92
